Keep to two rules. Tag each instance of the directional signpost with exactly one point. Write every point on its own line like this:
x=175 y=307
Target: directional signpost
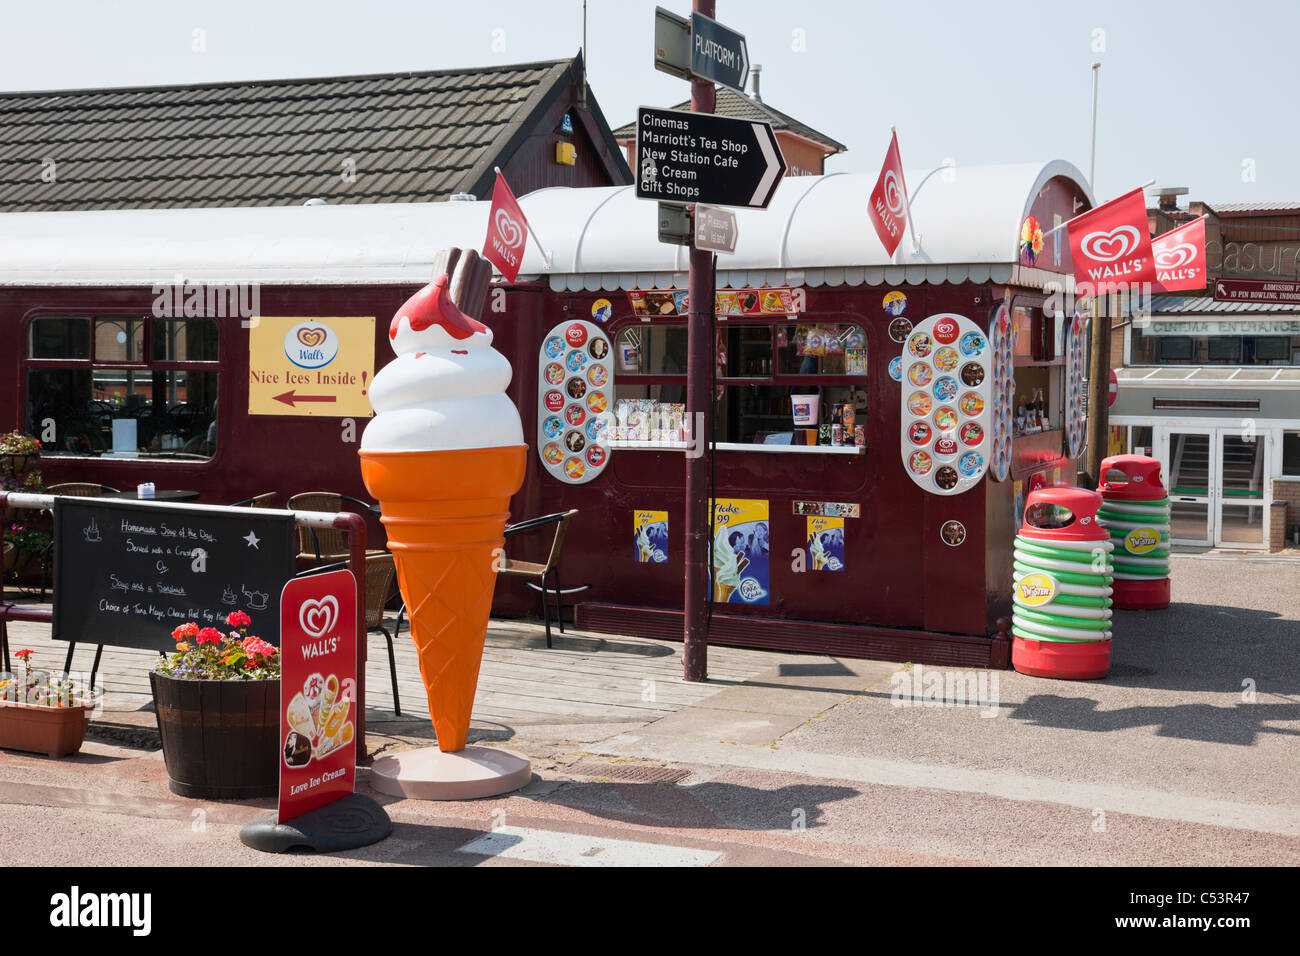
x=701 y=158
x=1258 y=291
x=698 y=159
x=718 y=53
x=715 y=229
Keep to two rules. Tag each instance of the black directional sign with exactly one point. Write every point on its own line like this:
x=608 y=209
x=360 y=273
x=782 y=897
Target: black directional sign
x=698 y=157
x=718 y=53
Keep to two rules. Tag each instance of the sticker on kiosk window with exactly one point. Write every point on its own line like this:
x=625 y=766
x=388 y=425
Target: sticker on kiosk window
x=945 y=425
x=575 y=392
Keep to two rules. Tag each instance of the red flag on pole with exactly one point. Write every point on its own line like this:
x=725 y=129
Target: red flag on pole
x=507 y=233
x=1180 y=258
x=887 y=208
x=1111 y=245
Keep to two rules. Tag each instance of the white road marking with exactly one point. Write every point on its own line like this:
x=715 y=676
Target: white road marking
x=576 y=849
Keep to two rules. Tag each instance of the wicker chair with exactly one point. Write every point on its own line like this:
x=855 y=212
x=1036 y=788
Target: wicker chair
x=80 y=489
x=72 y=489
x=326 y=545
x=540 y=572
x=380 y=584
x=257 y=501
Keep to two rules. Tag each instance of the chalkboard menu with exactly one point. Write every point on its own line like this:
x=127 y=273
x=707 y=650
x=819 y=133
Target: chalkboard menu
x=127 y=573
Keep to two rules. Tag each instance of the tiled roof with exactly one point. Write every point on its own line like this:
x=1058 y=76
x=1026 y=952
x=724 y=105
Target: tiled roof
x=730 y=103
x=1207 y=305
x=411 y=137
x=1231 y=207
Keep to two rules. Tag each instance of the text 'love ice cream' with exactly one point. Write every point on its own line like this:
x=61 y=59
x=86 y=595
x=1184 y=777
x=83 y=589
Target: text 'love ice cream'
x=447 y=387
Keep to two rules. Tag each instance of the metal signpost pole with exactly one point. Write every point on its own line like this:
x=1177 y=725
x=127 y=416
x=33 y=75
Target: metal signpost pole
x=699 y=405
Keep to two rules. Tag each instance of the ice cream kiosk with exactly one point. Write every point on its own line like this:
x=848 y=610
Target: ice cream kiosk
x=878 y=421
x=877 y=425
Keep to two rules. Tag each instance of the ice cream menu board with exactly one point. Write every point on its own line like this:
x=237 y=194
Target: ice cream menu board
x=318 y=691
x=575 y=385
x=945 y=429
x=127 y=573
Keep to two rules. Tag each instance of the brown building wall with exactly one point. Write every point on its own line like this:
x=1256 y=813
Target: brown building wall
x=1288 y=490
x=801 y=157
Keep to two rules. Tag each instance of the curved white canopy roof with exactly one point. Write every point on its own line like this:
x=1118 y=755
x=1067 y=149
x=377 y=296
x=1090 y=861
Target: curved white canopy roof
x=815 y=232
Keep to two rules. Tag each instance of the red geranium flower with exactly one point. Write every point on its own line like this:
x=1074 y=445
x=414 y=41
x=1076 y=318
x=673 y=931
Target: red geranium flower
x=209 y=635
x=23 y=654
x=185 y=631
x=238 y=619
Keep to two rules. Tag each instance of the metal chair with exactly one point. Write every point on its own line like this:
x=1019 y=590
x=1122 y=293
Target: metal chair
x=540 y=572
x=325 y=544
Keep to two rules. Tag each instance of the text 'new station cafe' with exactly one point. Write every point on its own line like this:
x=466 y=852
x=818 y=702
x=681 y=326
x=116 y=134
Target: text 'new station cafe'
x=879 y=420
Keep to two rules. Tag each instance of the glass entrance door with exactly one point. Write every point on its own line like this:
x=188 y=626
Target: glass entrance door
x=1242 y=467
x=1189 y=457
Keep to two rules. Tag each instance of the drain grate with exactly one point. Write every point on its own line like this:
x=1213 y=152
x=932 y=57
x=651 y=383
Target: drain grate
x=630 y=772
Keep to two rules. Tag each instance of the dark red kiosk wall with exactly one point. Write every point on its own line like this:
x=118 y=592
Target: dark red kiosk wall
x=899 y=572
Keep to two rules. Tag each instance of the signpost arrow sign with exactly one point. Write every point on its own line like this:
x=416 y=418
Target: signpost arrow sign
x=701 y=158
x=718 y=53
x=1259 y=291
x=715 y=229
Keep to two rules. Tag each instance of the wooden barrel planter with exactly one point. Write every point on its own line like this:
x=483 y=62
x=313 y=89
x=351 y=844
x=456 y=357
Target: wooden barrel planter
x=220 y=738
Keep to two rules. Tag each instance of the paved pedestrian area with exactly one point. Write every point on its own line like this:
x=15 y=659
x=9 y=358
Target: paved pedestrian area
x=1184 y=755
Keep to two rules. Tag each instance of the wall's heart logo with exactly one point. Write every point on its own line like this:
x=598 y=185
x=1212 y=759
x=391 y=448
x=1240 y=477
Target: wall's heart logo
x=893 y=193
x=311 y=336
x=510 y=232
x=318 y=617
x=1109 y=246
x=1176 y=256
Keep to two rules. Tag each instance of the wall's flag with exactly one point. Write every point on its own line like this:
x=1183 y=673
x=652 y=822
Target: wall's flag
x=507 y=233
x=1111 y=244
x=1180 y=258
x=887 y=208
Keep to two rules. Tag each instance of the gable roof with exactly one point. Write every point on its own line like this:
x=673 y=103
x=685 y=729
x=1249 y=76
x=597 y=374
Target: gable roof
x=739 y=106
x=410 y=137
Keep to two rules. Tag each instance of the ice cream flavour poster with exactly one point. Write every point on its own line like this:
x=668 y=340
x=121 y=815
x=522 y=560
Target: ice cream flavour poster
x=650 y=536
x=741 y=569
x=826 y=544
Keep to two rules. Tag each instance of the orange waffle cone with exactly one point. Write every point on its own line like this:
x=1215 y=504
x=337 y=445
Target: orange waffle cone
x=445 y=513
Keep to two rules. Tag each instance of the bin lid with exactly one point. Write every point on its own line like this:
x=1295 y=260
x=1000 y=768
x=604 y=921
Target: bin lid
x=1143 y=481
x=1079 y=525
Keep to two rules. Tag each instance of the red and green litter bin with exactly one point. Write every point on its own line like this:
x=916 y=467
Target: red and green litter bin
x=1135 y=510
x=1061 y=601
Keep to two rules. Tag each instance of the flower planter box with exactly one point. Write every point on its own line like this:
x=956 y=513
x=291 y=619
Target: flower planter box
x=220 y=738
x=56 y=731
x=20 y=464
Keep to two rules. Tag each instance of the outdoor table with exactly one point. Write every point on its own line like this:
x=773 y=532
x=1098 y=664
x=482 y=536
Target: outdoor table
x=164 y=495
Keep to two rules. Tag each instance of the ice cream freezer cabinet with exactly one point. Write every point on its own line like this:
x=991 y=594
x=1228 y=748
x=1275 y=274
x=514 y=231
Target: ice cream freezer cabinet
x=820 y=543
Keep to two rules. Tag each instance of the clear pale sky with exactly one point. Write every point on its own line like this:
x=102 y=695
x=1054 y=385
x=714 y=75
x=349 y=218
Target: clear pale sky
x=1192 y=93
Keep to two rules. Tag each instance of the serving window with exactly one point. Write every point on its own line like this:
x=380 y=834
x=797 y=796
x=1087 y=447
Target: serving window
x=766 y=372
x=125 y=386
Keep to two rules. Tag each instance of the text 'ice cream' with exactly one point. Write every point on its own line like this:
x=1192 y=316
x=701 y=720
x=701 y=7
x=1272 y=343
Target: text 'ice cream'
x=446 y=388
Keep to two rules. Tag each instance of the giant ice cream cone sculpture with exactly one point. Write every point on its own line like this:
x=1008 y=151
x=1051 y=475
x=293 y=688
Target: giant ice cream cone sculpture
x=443 y=456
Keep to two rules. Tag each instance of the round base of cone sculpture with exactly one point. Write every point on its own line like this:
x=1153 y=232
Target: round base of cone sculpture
x=445 y=513
x=1141 y=595
x=469 y=774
